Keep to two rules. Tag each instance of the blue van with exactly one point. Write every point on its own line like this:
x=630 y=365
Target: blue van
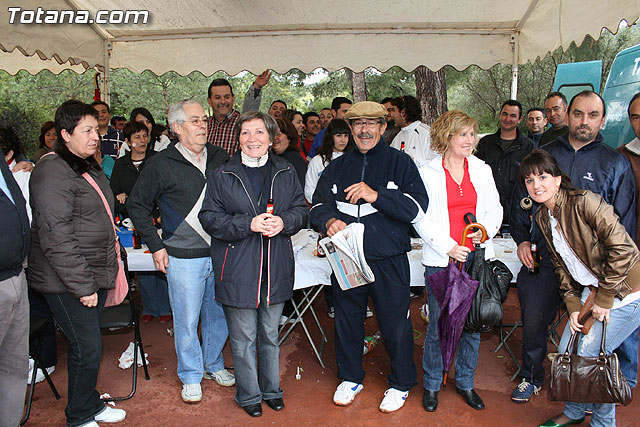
x=622 y=83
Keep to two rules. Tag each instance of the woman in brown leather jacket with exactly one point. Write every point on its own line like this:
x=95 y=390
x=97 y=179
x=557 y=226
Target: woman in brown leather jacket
x=590 y=250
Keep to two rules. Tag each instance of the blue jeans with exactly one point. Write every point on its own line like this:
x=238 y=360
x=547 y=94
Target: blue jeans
x=628 y=357
x=154 y=293
x=624 y=321
x=192 y=297
x=251 y=329
x=466 y=353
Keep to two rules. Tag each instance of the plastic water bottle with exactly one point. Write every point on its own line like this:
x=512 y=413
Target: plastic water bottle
x=370 y=341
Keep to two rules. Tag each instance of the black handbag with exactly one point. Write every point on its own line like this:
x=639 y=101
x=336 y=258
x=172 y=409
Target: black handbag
x=588 y=379
x=494 y=279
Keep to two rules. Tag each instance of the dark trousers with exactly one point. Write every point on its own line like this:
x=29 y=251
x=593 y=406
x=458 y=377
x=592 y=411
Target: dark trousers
x=81 y=327
x=390 y=295
x=39 y=308
x=539 y=301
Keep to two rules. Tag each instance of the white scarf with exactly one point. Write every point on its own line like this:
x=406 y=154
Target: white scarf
x=253 y=162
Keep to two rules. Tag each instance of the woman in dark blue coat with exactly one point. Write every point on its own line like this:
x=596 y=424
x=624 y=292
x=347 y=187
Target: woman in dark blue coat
x=252 y=206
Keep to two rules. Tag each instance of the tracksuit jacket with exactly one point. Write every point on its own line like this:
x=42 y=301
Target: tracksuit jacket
x=402 y=198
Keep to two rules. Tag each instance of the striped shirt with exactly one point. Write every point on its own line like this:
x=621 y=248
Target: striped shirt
x=221 y=133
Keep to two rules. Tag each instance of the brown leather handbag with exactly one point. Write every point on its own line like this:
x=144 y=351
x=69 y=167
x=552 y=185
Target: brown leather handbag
x=588 y=379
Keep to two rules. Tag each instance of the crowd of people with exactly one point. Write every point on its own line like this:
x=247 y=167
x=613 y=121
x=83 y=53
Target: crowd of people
x=230 y=189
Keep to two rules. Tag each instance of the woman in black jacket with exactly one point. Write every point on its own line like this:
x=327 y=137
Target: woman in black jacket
x=128 y=167
x=73 y=258
x=252 y=206
x=153 y=285
x=285 y=145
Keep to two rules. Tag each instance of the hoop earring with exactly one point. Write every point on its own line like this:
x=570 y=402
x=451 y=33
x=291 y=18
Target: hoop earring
x=526 y=203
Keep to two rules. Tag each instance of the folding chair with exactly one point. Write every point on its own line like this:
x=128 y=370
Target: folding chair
x=553 y=334
x=37 y=326
x=124 y=316
x=505 y=337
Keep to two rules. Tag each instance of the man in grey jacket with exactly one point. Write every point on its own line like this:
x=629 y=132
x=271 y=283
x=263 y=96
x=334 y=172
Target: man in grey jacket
x=175 y=180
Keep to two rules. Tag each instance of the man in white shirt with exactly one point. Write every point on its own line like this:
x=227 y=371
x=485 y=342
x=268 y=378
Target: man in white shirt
x=415 y=137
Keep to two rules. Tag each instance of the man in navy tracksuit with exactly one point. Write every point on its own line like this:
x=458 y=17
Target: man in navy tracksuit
x=592 y=165
x=380 y=187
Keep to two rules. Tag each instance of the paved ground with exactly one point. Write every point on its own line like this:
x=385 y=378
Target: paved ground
x=308 y=401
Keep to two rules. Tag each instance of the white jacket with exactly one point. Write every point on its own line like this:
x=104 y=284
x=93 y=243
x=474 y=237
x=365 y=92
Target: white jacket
x=314 y=170
x=434 y=226
x=417 y=142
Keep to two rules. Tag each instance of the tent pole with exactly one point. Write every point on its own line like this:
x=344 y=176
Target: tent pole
x=515 y=41
x=106 y=82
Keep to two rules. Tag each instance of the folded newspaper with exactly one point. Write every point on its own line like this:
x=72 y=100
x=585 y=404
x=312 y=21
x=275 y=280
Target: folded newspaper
x=345 y=252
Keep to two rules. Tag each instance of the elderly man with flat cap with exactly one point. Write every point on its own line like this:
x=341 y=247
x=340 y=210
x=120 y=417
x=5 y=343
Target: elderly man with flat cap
x=380 y=187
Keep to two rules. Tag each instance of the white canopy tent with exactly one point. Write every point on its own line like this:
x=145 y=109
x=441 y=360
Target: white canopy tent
x=253 y=35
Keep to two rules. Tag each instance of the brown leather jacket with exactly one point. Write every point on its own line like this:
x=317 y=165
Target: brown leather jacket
x=601 y=243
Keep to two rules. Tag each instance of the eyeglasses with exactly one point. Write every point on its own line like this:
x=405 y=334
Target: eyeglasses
x=198 y=121
x=364 y=123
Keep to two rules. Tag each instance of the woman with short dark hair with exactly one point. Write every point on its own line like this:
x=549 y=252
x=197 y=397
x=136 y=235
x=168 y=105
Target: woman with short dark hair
x=285 y=145
x=252 y=207
x=153 y=284
x=47 y=138
x=73 y=259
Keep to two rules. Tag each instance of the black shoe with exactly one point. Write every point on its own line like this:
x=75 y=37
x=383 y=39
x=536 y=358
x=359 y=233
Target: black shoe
x=254 y=410
x=472 y=398
x=276 y=404
x=430 y=400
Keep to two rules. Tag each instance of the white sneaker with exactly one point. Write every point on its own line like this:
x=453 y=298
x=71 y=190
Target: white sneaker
x=89 y=424
x=39 y=374
x=346 y=392
x=393 y=400
x=191 y=393
x=110 y=415
x=285 y=319
x=369 y=312
x=222 y=377
x=424 y=312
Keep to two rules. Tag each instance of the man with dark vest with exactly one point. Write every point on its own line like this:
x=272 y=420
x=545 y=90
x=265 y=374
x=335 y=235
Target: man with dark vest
x=15 y=241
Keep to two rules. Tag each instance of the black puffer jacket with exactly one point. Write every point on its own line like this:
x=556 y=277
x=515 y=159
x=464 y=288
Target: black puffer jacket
x=504 y=164
x=124 y=177
x=236 y=251
x=73 y=244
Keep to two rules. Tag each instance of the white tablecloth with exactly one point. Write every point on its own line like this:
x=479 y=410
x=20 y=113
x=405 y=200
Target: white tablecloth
x=140 y=259
x=311 y=270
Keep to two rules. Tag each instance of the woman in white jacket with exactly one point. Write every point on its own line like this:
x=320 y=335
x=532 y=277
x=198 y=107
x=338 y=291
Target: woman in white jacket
x=457 y=183
x=337 y=140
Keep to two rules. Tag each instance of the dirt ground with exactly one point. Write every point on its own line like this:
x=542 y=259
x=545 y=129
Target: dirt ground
x=308 y=400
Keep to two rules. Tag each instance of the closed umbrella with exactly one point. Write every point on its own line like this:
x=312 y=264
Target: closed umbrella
x=454 y=290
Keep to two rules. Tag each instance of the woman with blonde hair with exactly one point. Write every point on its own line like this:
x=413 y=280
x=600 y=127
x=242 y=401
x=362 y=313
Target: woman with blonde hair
x=459 y=183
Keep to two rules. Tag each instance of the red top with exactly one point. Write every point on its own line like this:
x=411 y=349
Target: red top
x=307 y=144
x=461 y=199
